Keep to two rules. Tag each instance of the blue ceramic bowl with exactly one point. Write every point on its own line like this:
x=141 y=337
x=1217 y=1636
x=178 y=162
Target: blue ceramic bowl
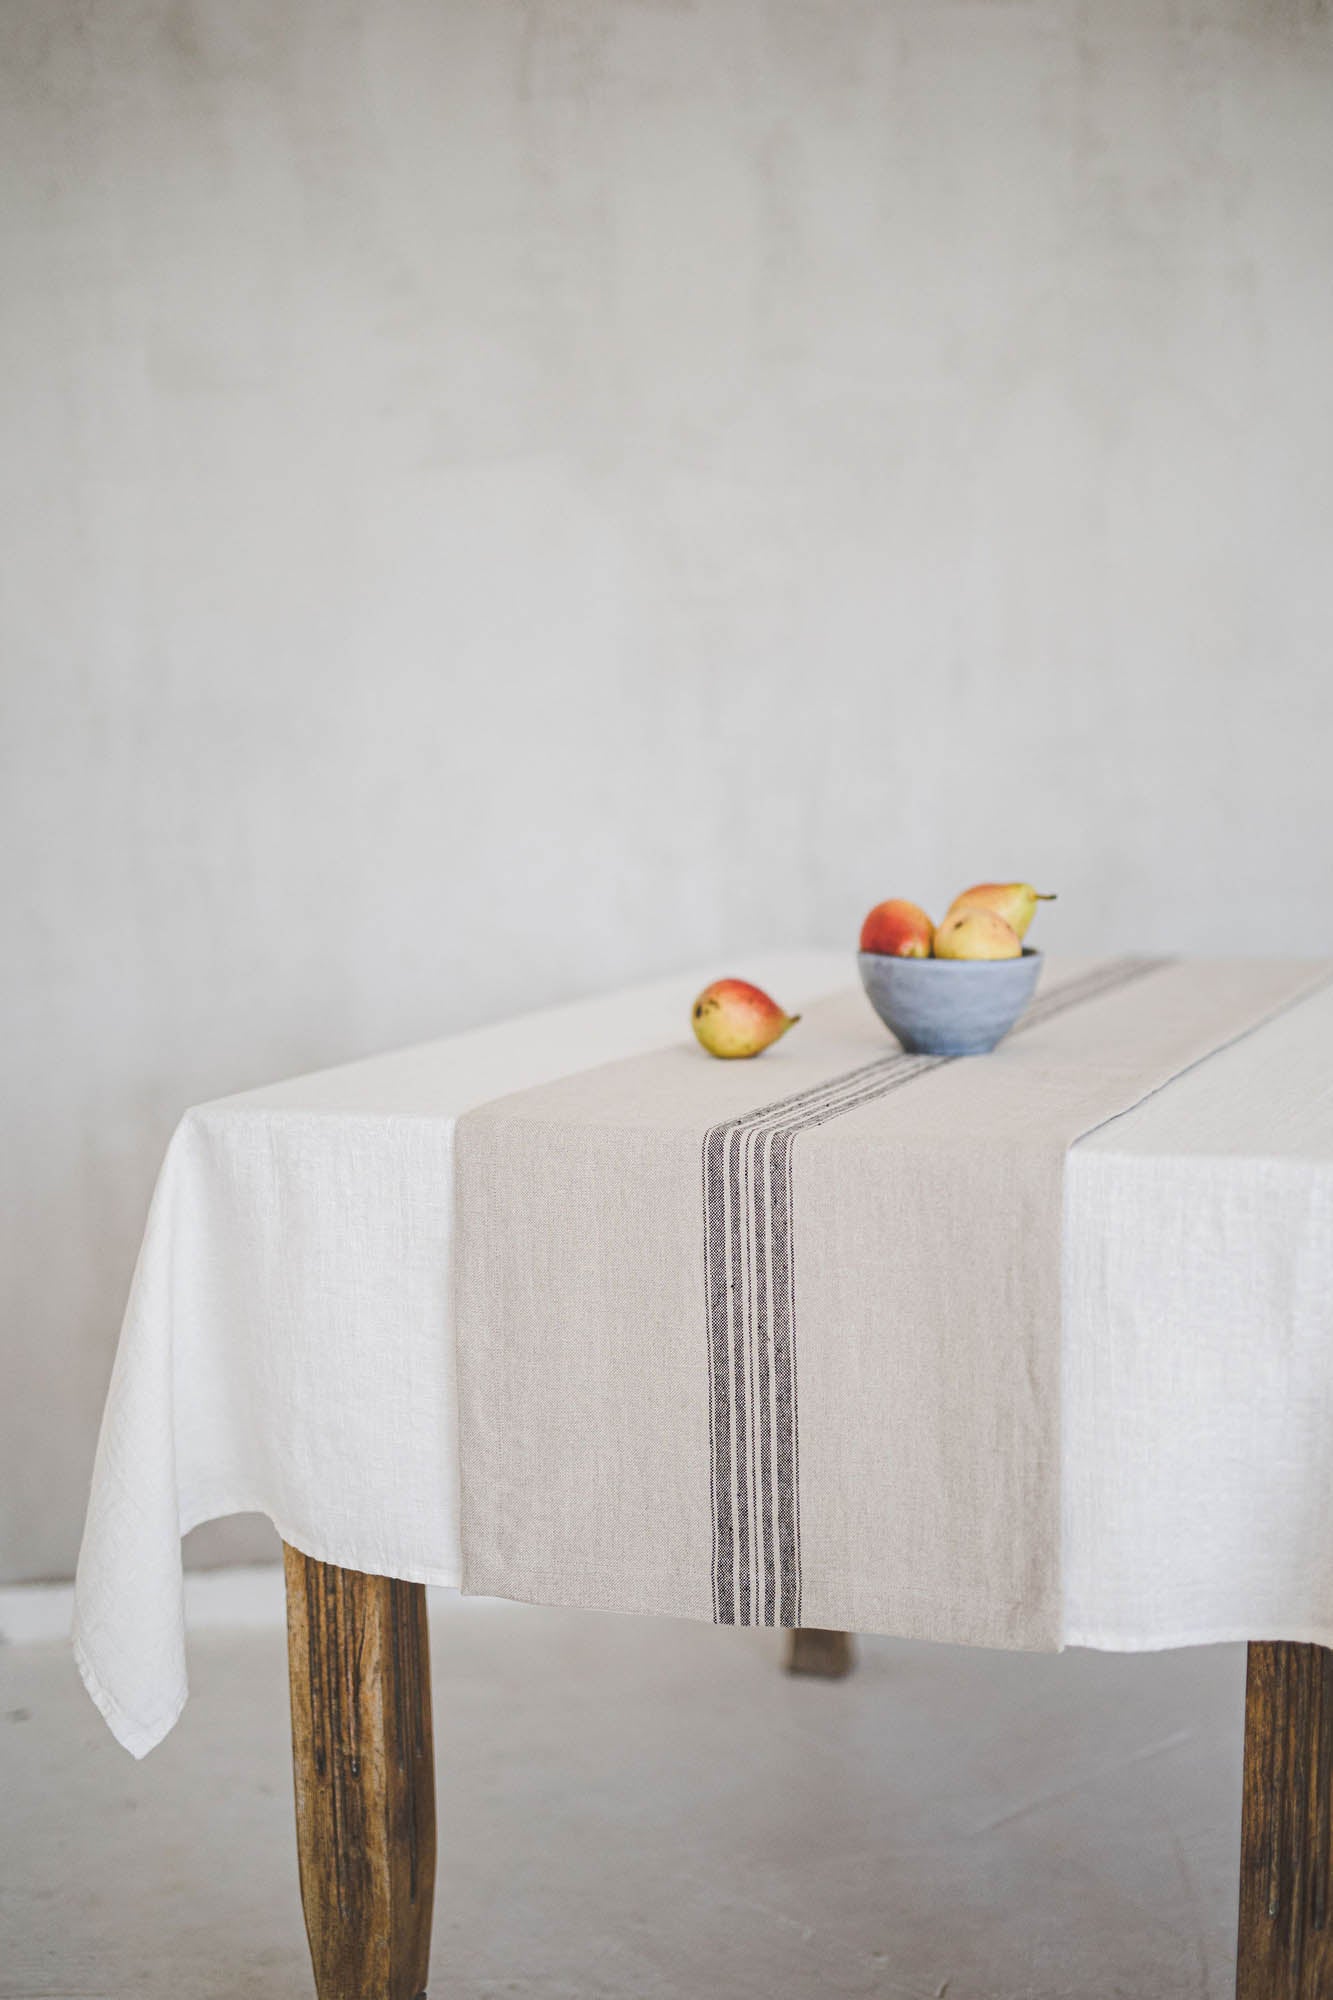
x=949 y=1006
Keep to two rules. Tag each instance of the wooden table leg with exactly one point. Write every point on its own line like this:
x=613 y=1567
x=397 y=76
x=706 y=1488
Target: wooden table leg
x=1285 y=1949
x=812 y=1651
x=358 y=1658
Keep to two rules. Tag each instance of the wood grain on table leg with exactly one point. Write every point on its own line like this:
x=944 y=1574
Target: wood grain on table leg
x=358 y=1658
x=1285 y=1949
x=813 y=1651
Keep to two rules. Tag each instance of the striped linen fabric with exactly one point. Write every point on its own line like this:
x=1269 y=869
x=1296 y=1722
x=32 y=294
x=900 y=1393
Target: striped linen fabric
x=779 y=1342
x=749 y=1263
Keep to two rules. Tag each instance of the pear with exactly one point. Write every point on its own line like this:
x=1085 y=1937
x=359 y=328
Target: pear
x=897 y=929
x=1016 y=902
x=976 y=933
x=731 y=1018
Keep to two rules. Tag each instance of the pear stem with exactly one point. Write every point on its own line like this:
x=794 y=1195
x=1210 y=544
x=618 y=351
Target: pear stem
x=1046 y=899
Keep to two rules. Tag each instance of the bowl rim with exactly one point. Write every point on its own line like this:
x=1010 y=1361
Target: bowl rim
x=949 y=964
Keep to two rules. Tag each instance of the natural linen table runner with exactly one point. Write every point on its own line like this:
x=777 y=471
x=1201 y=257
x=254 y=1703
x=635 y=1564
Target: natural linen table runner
x=778 y=1343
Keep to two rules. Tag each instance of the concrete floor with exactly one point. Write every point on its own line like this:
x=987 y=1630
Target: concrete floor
x=653 y=1811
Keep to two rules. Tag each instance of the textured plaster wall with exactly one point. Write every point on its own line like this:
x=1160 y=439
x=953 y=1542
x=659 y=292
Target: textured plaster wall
x=503 y=496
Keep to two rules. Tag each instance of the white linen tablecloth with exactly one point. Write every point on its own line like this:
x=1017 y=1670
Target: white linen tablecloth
x=288 y=1350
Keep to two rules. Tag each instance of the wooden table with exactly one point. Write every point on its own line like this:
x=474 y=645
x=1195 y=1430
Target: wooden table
x=362 y=1749
x=296 y=1284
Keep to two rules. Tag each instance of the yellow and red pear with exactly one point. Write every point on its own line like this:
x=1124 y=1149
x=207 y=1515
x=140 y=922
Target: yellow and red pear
x=1016 y=902
x=976 y=933
x=731 y=1018
x=897 y=929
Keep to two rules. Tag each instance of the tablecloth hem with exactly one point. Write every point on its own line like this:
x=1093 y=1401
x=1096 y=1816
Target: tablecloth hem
x=564 y=1594
x=1101 y=1641
x=438 y=1579
x=377 y=1564
x=1092 y=1639
x=133 y=1735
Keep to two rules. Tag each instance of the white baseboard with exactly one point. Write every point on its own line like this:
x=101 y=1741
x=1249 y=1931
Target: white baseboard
x=246 y=1595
